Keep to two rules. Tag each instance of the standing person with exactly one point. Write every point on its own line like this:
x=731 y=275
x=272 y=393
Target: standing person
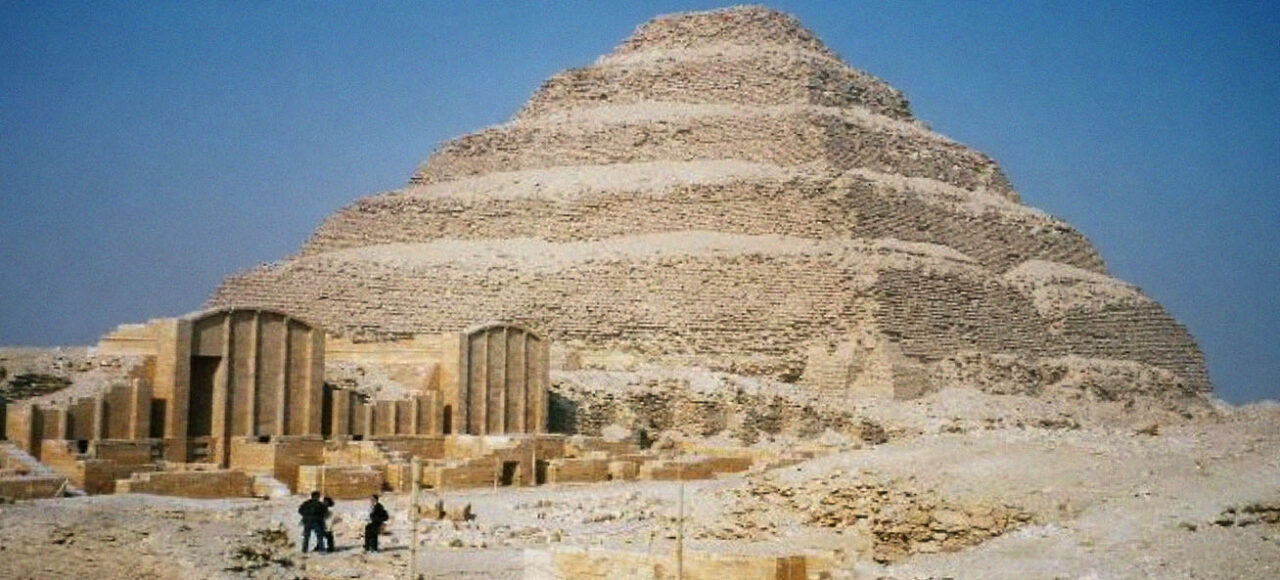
x=313 y=512
x=330 y=518
x=377 y=517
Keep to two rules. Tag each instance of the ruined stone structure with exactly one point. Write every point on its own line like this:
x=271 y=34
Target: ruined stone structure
x=234 y=402
x=490 y=379
x=220 y=374
x=723 y=191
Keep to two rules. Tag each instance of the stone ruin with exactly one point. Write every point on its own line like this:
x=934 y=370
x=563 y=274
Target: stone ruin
x=253 y=402
x=722 y=191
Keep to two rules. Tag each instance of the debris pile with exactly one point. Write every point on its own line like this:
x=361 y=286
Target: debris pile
x=899 y=518
x=266 y=547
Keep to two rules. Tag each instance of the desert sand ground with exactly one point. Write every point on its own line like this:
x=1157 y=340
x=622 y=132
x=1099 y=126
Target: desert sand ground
x=964 y=496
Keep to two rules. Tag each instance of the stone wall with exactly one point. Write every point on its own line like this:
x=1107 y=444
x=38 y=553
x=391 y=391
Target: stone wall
x=31 y=487
x=340 y=482
x=578 y=470
x=697 y=405
x=281 y=458
x=457 y=474
x=193 y=484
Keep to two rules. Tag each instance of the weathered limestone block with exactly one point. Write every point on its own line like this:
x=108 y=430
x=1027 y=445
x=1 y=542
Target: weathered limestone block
x=194 y=484
x=340 y=482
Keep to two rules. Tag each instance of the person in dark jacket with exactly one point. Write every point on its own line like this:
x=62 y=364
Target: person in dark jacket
x=377 y=517
x=313 y=512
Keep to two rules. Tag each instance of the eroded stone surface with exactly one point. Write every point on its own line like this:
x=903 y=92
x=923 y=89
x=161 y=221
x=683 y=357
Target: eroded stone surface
x=722 y=191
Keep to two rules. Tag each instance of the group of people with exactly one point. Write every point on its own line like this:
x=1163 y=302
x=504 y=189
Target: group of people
x=318 y=518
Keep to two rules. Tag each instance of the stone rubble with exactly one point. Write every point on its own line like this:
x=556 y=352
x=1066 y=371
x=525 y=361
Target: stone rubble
x=900 y=518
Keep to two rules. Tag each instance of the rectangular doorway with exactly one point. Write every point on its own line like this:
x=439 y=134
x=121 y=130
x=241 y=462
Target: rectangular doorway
x=204 y=374
x=509 y=471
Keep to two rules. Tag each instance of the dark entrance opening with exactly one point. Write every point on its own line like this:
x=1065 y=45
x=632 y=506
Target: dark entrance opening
x=540 y=472
x=326 y=411
x=204 y=371
x=157 y=417
x=509 y=470
x=447 y=420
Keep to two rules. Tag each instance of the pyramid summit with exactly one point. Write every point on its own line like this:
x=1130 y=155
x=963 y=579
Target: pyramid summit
x=750 y=56
x=722 y=191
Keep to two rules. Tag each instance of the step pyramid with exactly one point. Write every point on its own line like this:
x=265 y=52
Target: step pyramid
x=722 y=191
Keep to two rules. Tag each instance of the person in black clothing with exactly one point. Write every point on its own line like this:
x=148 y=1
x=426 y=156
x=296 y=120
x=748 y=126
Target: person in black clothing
x=377 y=517
x=313 y=512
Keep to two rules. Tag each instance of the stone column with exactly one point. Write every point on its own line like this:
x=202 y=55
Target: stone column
x=314 y=379
x=517 y=381
x=140 y=409
x=220 y=427
x=479 y=388
x=251 y=413
x=341 y=413
x=63 y=417
x=282 y=381
x=415 y=426
x=100 y=416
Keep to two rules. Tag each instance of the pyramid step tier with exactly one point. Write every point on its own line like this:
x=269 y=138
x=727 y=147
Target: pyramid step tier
x=717 y=300
x=785 y=135
x=723 y=74
x=741 y=25
x=584 y=203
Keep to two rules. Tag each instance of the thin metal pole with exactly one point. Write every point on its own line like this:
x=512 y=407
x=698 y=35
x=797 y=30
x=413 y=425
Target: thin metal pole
x=415 y=468
x=680 y=525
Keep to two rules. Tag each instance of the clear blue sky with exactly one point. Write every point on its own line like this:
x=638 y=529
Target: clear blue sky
x=149 y=149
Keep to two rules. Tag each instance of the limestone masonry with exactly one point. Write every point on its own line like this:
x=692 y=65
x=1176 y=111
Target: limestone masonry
x=723 y=191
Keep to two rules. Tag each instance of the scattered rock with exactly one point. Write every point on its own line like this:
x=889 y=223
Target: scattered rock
x=1151 y=430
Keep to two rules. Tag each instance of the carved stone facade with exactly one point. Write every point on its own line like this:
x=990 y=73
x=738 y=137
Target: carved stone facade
x=503 y=380
x=489 y=379
x=227 y=373
x=244 y=389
